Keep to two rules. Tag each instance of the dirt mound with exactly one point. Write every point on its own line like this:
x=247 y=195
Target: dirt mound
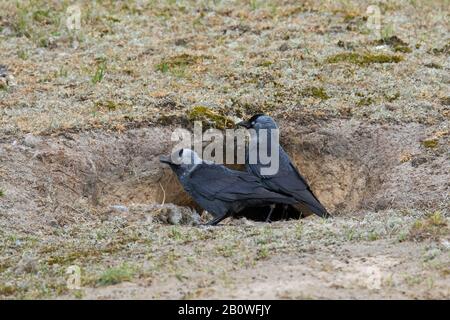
x=53 y=181
x=353 y=166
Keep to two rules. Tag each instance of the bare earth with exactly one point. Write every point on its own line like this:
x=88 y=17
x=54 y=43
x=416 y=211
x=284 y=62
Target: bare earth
x=85 y=115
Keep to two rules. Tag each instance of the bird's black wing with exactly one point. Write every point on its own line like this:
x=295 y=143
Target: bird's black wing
x=289 y=181
x=217 y=182
x=292 y=183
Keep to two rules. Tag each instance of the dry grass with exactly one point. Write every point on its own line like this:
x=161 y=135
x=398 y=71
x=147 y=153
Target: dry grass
x=432 y=227
x=118 y=250
x=159 y=58
x=137 y=63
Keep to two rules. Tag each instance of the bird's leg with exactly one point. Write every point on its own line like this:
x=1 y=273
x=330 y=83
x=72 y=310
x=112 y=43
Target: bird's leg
x=272 y=207
x=216 y=220
x=285 y=213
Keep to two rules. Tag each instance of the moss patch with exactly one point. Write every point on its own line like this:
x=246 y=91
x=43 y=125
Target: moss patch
x=367 y=101
x=402 y=49
x=364 y=59
x=209 y=117
x=266 y=63
x=7 y=290
x=430 y=143
x=316 y=92
x=107 y=105
x=179 y=61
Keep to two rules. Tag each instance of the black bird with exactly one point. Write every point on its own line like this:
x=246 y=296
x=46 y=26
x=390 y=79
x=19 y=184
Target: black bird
x=287 y=180
x=219 y=190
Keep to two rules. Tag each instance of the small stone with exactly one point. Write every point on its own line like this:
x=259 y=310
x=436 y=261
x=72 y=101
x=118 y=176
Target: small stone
x=174 y=217
x=31 y=140
x=181 y=42
x=53 y=223
x=11 y=80
x=119 y=208
x=418 y=161
x=3 y=71
x=284 y=47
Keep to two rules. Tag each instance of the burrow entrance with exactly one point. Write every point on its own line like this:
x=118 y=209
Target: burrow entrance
x=350 y=166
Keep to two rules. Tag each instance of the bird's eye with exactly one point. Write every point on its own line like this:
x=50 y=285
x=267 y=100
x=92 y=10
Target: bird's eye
x=253 y=123
x=180 y=153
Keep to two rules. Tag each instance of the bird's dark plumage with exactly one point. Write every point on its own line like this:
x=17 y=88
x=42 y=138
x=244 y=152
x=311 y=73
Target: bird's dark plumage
x=219 y=190
x=288 y=179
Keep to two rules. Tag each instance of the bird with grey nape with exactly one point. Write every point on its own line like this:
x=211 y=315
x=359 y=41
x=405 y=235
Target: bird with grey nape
x=219 y=190
x=287 y=180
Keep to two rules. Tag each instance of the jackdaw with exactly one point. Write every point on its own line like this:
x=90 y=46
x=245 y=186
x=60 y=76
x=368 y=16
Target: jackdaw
x=287 y=180
x=219 y=190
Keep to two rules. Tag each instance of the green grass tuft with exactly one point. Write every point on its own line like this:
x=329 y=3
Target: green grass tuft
x=364 y=59
x=262 y=253
x=432 y=227
x=99 y=72
x=177 y=64
x=116 y=275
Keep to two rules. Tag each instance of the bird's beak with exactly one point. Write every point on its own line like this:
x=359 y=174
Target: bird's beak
x=244 y=124
x=165 y=159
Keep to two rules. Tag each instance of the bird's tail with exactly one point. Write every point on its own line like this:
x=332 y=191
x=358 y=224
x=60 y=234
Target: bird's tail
x=312 y=206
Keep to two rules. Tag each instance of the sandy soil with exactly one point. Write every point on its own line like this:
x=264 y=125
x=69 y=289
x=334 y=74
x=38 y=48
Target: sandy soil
x=85 y=115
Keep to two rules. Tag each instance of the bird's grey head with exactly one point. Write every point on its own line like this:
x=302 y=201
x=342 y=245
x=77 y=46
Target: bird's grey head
x=259 y=121
x=182 y=161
